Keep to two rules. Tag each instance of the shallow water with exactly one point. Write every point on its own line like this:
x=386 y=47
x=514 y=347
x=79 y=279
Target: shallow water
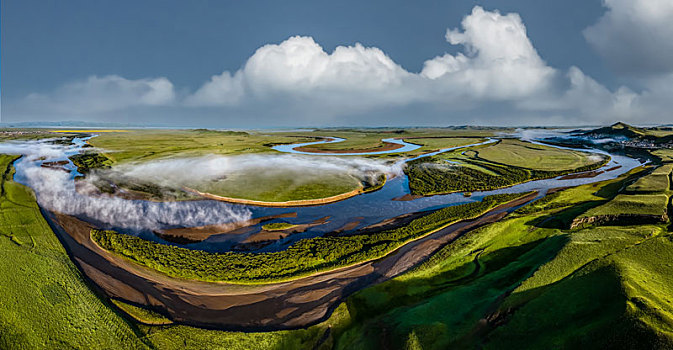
x=368 y=208
x=407 y=147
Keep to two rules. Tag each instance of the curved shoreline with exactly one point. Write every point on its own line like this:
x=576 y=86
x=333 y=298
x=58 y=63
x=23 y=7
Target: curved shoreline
x=292 y=203
x=301 y=148
x=285 y=305
x=291 y=304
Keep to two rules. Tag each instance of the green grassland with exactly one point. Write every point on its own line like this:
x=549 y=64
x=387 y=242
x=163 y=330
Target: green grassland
x=437 y=143
x=268 y=185
x=428 y=139
x=440 y=173
x=650 y=183
x=143 y=145
x=302 y=258
x=262 y=185
x=528 y=282
x=355 y=140
x=632 y=204
x=280 y=186
x=532 y=156
x=524 y=282
x=665 y=169
x=25 y=134
x=657 y=181
x=45 y=302
x=644 y=201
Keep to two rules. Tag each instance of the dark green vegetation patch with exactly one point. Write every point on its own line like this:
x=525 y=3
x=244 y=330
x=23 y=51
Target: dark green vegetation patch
x=88 y=161
x=304 y=257
x=469 y=172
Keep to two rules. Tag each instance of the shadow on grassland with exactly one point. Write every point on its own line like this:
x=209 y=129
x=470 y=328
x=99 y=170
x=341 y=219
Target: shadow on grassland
x=586 y=310
x=563 y=219
x=385 y=314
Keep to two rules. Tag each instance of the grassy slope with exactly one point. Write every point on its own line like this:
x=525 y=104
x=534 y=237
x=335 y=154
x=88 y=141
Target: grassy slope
x=657 y=181
x=649 y=195
x=45 y=302
x=607 y=288
x=527 y=282
x=650 y=183
x=633 y=204
x=141 y=314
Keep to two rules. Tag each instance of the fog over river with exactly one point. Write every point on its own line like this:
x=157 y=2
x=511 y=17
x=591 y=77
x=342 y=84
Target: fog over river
x=55 y=191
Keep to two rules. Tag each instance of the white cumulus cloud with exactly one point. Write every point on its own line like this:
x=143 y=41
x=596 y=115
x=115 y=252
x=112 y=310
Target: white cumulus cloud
x=497 y=77
x=500 y=62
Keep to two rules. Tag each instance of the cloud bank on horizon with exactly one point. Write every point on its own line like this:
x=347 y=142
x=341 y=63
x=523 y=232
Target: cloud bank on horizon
x=498 y=78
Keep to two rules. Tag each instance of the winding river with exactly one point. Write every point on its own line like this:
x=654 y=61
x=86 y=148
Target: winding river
x=291 y=148
x=365 y=209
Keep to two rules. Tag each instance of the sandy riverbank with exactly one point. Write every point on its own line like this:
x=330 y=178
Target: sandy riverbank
x=293 y=304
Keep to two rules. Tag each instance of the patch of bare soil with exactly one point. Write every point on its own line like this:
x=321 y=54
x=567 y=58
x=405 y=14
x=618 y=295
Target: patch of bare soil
x=350 y=225
x=292 y=203
x=185 y=235
x=264 y=235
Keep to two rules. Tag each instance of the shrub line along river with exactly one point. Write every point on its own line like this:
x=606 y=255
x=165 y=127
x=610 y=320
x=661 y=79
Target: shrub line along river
x=367 y=208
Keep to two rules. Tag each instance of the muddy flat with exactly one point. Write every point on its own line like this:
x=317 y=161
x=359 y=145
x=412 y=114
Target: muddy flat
x=272 y=235
x=200 y=233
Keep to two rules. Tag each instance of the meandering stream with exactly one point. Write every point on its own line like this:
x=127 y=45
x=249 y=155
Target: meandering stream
x=365 y=209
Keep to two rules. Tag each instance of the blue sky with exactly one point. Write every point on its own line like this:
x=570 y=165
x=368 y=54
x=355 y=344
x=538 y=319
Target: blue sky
x=579 y=61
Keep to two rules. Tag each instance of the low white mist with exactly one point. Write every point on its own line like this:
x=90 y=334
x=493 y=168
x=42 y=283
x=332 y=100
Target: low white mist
x=55 y=190
x=34 y=150
x=177 y=172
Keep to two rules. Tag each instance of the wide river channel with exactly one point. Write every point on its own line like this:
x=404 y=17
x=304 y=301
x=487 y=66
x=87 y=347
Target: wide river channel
x=365 y=209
